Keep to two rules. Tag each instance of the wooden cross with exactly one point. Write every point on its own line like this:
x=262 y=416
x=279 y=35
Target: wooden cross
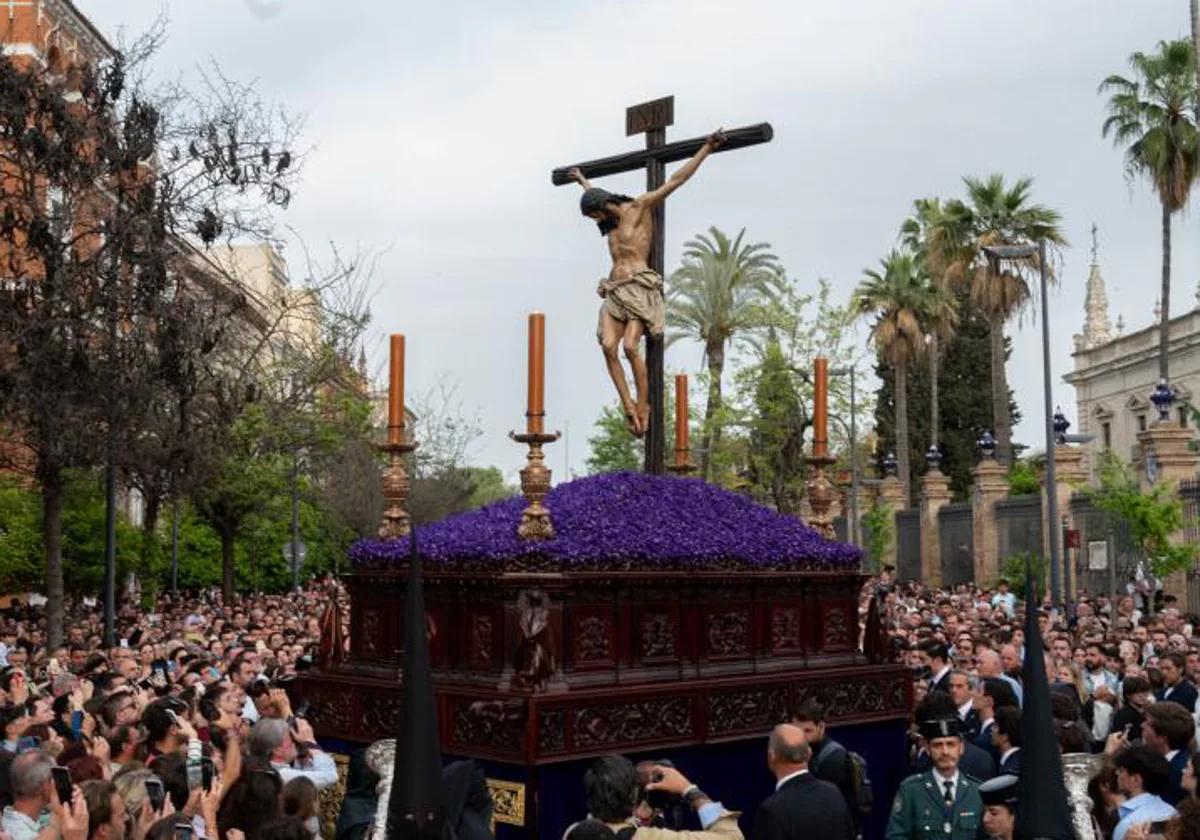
x=652 y=119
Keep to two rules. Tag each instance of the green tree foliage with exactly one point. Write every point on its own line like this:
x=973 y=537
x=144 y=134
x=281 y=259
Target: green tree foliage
x=879 y=526
x=964 y=415
x=613 y=448
x=1013 y=571
x=996 y=213
x=1155 y=516
x=1153 y=116
x=721 y=294
x=776 y=433
x=1023 y=480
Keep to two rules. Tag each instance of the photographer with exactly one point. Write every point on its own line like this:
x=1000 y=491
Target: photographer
x=611 y=784
x=272 y=740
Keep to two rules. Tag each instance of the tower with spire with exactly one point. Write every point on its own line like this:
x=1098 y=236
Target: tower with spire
x=1097 y=329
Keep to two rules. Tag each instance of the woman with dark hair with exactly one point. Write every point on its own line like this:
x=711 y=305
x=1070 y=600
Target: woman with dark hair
x=301 y=800
x=252 y=801
x=1106 y=798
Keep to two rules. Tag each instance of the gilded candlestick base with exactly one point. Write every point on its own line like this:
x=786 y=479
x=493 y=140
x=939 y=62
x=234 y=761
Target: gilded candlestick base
x=821 y=495
x=683 y=468
x=395 y=524
x=535 y=484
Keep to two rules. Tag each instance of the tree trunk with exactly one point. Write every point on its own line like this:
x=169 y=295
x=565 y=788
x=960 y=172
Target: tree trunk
x=934 y=416
x=52 y=504
x=715 y=350
x=153 y=508
x=1164 y=323
x=902 y=453
x=1001 y=412
x=226 y=567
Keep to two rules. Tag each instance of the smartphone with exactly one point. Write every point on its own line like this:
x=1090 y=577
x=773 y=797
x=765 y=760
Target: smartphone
x=207 y=771
x=156 y=794
x=183 y=830
x=62 y=784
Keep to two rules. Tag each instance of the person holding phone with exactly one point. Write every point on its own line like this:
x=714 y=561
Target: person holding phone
x=38 y=811
x=272 y=740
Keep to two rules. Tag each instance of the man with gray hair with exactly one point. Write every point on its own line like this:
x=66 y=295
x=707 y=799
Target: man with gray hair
x=36 y=813
x=802 y=805
x=272 y=740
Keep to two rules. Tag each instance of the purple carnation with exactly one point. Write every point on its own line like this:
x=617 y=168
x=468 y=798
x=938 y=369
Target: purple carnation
x=626 y=520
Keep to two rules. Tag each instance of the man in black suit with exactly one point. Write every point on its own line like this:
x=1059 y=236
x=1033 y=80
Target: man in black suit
x=1178 y=688
x=1168 y=730
x=991 y=694
x=939 y=666
x=1006 y=735
x=803 y=807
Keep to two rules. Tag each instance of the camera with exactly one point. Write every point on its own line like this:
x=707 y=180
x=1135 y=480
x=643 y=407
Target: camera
x=665 y=807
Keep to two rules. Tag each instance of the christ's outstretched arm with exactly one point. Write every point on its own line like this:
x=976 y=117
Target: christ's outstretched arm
x=577 y=176
x=680 y=176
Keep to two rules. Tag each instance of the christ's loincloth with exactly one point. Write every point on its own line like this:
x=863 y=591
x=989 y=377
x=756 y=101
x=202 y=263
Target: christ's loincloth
x=639 y=297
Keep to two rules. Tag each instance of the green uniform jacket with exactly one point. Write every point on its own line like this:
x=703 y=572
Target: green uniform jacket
x=919 y=811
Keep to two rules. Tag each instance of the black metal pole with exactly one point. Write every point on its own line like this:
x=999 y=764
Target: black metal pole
x=1051 y=485
x=855 y=538
x=175 y=550
x=110 y=537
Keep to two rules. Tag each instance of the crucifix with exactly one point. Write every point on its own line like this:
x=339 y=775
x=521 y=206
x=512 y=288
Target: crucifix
x=630 y=294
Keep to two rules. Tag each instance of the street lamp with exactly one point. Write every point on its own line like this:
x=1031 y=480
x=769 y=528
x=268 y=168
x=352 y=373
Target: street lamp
x=1024 y=252
x=853 y=529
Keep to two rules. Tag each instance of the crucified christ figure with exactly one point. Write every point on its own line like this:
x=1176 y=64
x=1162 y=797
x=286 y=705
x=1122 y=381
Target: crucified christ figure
x=633 y=292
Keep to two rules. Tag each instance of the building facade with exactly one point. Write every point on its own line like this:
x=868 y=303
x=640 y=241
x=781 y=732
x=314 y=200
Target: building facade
x=1115 y=373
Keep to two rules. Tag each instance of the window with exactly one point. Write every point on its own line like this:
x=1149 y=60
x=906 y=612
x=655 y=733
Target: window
x=1141 y=422
x=1106 y=435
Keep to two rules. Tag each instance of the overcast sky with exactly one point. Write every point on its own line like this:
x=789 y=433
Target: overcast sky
x=434 y=127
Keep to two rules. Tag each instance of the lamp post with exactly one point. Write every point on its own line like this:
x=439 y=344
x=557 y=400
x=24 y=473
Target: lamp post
x=848 y=370
x=1025 y=252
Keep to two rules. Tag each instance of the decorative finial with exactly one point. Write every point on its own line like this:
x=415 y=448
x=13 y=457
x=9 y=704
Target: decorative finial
x=1095 y=244
x=889 y=465
x=1163 y=398
x=987 y=444
x=933 y=457
x=1061 y=425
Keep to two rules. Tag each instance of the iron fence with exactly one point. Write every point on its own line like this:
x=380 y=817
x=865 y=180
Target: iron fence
x=1189 y=494
x=908 y=544
x=956 y=532
x=1019 y=526
x=1107 y=557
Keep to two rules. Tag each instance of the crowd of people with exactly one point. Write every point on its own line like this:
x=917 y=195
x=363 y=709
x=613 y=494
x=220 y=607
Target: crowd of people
x=185 y=729
x=1122 y=672
x=181 y=729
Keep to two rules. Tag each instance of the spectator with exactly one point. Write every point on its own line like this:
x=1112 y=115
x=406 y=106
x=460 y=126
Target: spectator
x=802 y=805
x=830 y=760
x=105 y=809
x=300 y=800
x=1177 y=688
x=611 y=785
x=1143 y=776
x=272 y=741
x=1006 y=735
x=1168 y=730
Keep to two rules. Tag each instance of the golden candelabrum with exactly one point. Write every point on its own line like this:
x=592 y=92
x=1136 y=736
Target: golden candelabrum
x=535 y=484
x=821 y=494
x=395 y=524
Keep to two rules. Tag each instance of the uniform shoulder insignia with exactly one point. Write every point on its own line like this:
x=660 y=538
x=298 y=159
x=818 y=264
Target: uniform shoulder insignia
x=972 y=779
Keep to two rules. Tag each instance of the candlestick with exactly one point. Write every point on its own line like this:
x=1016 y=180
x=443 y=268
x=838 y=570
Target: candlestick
x=395 y=482
x=682 y=465
x=820 y=446
x=536 y=409
x=396 y=391
x=535 y=484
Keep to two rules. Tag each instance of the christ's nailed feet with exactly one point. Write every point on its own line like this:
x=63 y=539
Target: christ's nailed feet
x=643 y=414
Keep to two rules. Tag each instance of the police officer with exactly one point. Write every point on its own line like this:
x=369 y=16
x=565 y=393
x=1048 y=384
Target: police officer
x=941 y=802
x=999 y=797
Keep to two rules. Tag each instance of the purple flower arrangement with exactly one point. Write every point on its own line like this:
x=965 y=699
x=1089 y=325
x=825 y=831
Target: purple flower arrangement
x=626 y=520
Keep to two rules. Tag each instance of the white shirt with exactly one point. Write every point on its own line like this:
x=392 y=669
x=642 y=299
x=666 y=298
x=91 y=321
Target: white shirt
x=321 y=770
x=941 y=783
x=964 y=710
x=1008 y=752
x=789 y=777
x=250 y=711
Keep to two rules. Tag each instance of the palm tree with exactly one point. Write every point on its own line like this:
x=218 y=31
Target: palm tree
x=1195 y=4
x=1153 y=116
x=996 y=214
x=900 y=300
x=721 y=292
x=920 y=236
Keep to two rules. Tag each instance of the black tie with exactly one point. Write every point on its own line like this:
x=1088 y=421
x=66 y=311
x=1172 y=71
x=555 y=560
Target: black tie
x=949 y=793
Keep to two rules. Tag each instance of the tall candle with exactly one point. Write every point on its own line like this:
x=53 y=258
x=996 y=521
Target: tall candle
x=681 y=419
x=821 y=408
x=537 y=372
x=396 y=391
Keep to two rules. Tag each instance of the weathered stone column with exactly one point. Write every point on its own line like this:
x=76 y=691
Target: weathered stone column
x=1069 y=476
x=891 y=496
x=991 y=486
x=935 y=494
x=1167 y=459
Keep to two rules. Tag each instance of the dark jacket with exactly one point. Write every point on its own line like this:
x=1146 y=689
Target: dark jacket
x=1175 y=792
x=1012 y=765
x=984 y=740
x=1184 y=694
x=831 y=763
x=805 y=808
